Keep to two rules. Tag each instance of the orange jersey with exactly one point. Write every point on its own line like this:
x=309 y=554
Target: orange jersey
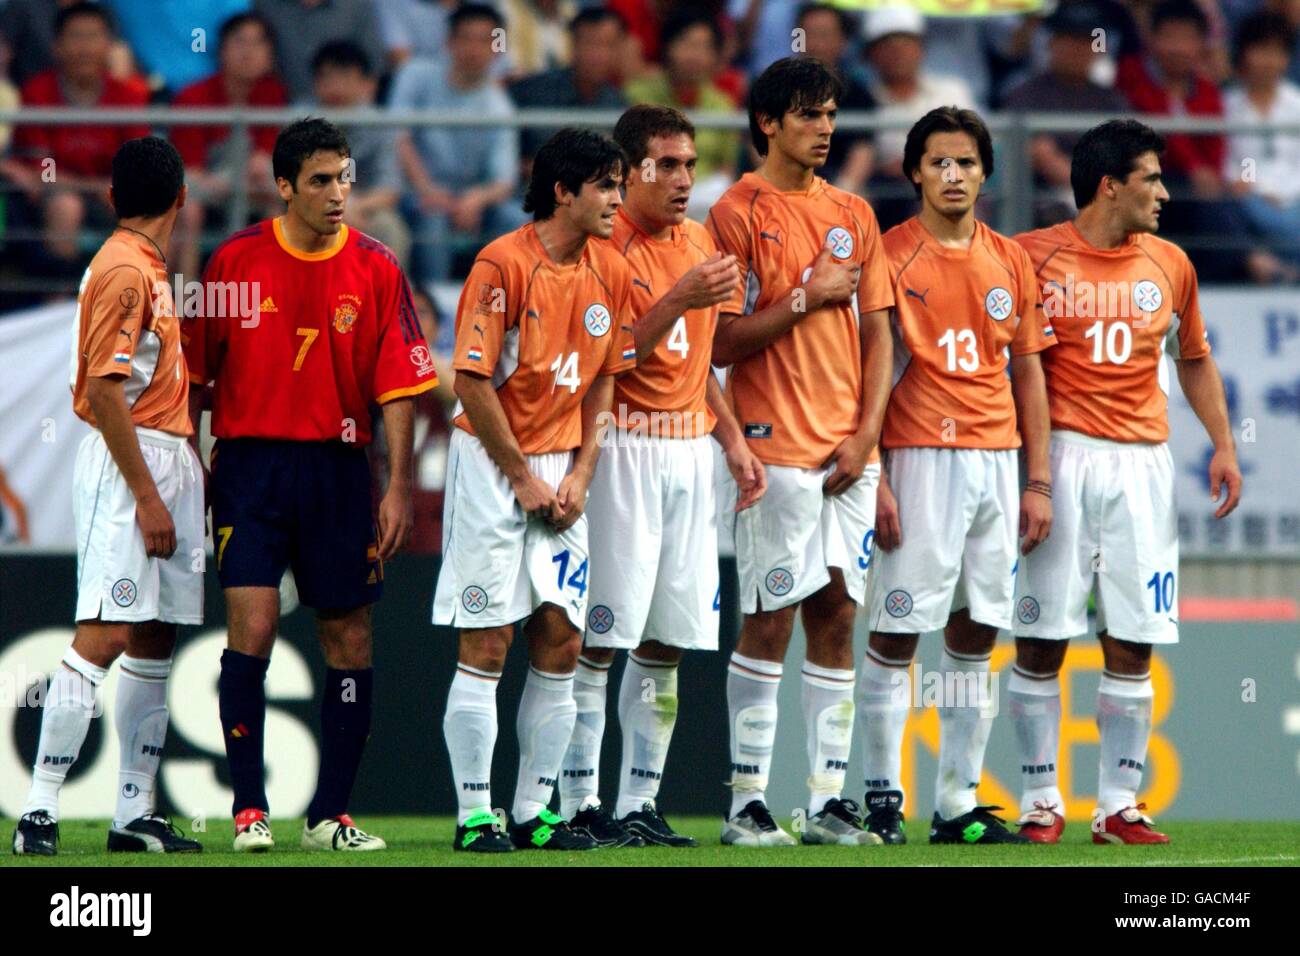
x=672 y=378
x=1114 y=310
x=961 y=315
x=127 y=328
x=542 y=333
x=800 y=397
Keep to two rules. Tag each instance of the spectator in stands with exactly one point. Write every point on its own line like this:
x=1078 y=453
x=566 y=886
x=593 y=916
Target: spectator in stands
x=63 y=170
x=904 y=91
x=538 y=32
x=1167 y=82
x=172 y=41
x=1291 y=10
x=301 y=27
x=10 y=98
x=245 y=77
x=763 y=29
x=1066 y=87
x=597 y=36
x=431 y=433
x=826 y=38
x=414 y=29
x=691 y=44
x=1262 y=167
x=460 y=178
x=977 y=48
x=345 y=79
x=28 y=25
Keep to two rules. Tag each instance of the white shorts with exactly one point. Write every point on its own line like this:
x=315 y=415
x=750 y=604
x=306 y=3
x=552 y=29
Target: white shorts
x=959 y=517
x=498 y=564
x=654 y=545
x=788 y=541
x=116 y=580
x=1113 y=521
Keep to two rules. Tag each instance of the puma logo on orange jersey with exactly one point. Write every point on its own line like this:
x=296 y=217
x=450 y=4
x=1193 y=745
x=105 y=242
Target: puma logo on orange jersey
x=644 y=285
x=919 y=295
x=775 y=237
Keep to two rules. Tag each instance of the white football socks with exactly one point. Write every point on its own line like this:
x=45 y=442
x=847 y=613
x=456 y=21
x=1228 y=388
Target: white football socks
x=1034 y=703
x=470 y=729
x=547 y=715
x=964 y=728
x=580 y=771
x=1124 y=704
x=140 y=715
x=828 y=724
x=752 y=687
x=647 y=713
x=65 y=719
x=884 y=697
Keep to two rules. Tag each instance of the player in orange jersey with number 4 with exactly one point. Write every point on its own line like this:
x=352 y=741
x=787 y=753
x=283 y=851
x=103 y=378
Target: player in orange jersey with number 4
x=1120 y=300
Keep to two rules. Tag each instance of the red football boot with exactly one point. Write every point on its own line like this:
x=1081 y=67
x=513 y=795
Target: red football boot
x=1042 y=824
x=1130 y=826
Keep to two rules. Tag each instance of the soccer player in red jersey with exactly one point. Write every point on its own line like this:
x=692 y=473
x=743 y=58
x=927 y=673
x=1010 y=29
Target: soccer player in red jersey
x=331 y=329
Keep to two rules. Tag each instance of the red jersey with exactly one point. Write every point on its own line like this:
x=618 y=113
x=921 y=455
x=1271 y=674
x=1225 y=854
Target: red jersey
x=79 y=150
x=299 y=344
x=195 y=142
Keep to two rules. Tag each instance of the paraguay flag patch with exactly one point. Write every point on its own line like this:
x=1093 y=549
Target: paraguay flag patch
x=629 y=352
x=476 y=355
x=123 y=357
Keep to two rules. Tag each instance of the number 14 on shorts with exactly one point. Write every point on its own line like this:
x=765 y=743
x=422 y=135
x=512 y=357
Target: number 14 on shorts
x=577 y=580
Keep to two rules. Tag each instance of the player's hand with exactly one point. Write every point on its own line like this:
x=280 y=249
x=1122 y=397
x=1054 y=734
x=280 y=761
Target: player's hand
x=570 y=499
x=1035 y=520
x=708 y=283
x=751 y=477
x=848 y=460
x=1225 y=475
x=396 y=519
x=831 y=281
x=889 y=533
x=157 y=527
x=535 y=496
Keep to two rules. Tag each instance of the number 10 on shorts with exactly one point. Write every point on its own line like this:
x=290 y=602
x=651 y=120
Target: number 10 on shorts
x=577 y=580
x=1162 y=586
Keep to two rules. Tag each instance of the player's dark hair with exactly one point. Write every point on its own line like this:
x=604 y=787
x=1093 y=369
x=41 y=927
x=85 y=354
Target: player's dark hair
x=946 y=119
x=571 y=157
x=147 y=177
x=642 y=123
x=299 y=140
x=87 y=9
x=1170 y=11
x=685 y=20
x=590 y=16
x=1261 y=29
x=473 y=11
x=846 y=23
x=342 y=54
x=1111 y=149
x=791 y=83
x=240 y=20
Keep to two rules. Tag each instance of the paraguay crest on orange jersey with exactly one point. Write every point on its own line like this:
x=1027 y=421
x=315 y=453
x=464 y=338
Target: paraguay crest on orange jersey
x=345 y=313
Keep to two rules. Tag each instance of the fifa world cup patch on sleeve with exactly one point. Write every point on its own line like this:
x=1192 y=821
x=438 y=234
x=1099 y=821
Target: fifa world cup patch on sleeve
x=758 y=429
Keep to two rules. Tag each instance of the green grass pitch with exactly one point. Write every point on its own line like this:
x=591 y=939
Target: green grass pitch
x=426 y=841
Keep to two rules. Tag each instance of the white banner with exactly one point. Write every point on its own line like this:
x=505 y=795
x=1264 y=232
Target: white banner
x=1255 y=335
x=39 y=433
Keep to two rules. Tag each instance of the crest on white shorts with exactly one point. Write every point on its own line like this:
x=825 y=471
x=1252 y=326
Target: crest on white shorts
x=1147 y=296
x=898 y=603
x=601 y=619
x=1027 y=610
x=474 y=599
x=780 y=581
x=841 y=242
x=998 y=303
x=124 y=592
x=596 y=319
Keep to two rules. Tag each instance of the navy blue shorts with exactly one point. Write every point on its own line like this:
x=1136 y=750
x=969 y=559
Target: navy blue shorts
x=296 y=504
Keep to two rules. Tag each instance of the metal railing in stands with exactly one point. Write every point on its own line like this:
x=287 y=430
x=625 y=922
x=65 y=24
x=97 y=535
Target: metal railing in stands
x=1011 y=133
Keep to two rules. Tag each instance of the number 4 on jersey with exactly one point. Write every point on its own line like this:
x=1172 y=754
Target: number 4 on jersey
x=677 y=338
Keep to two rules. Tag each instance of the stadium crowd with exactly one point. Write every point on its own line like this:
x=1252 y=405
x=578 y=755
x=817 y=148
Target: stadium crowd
x=436 y=195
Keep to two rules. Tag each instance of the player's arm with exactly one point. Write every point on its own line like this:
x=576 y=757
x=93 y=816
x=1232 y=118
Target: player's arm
x=571 y=497
x=831 y=282
x=877 y=353
x=488 y=419
x=1200 y=381
x=706 y=284
x=396 y=515
x=107 y=398
x=1029 y=388
x=745 y=468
